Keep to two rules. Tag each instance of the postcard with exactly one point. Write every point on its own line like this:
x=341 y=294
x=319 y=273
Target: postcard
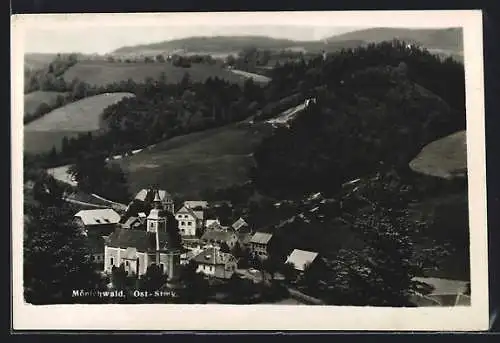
x=249 y=171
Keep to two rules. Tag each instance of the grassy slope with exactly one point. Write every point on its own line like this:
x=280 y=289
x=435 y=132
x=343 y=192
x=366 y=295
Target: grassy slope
x=444 y=157
x=34 y=99
x=70 y=120
x=102 y=73
x=188 y=164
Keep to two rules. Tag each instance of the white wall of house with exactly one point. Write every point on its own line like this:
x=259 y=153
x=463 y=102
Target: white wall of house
x=187 y=224
x=207 y=269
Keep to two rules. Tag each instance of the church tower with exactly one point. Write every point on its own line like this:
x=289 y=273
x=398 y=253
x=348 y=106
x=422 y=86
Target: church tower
x=157 y=219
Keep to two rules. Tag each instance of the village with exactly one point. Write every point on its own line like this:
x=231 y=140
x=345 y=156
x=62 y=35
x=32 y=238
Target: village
x=138 y=238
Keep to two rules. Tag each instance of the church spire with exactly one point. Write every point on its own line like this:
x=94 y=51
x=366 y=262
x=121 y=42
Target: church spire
x=157 y=200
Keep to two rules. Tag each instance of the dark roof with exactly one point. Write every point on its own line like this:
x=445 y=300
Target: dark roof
x=217 y=235
x=142 y=240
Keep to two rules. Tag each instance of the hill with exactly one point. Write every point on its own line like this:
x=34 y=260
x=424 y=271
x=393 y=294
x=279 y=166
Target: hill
x=33 y=100
x=445 y=158
x=70 y=120
x=100 y=73
x=217 y=44
x=35 y=61
x=225 y=45
x=449 y=40
x=186 y=165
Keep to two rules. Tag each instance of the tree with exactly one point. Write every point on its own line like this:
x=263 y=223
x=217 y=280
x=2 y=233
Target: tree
x=153 y=279
x=56 y=257
x=196 y=289
x=119 y=277
x=160 y=58
x=271 y=265
x=47 y=191
x=240 y=290
x=382 y=272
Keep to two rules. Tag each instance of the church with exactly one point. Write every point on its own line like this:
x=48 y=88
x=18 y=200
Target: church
x=137 y=249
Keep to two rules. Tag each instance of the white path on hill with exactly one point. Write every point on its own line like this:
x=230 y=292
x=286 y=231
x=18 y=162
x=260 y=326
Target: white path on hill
x=288 y=115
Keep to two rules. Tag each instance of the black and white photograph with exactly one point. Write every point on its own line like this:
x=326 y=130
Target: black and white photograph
x=268 y=161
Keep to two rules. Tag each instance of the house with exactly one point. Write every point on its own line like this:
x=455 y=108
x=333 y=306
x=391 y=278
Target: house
x=189 y=221
x=240 y=225
x=101 y=221
x=301 y=259
x=259 y=244
x=210 y=222
x=138 y=249
x=147 y=196
x=189 y=254
x=218 y=237
x=197 y=204
x=214 y=263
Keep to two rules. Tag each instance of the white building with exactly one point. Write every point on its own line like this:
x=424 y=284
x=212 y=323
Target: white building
x=189 y=221
x=214 y=263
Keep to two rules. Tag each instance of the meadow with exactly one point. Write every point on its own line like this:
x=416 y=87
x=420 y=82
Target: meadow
x=189 y=164
x=100 y=73
x=70 y=120
x=34 y=99
x=444 y=157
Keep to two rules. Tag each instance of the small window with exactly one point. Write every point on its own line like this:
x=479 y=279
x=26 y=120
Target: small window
x=93 y=258
x=183 y=223
x=126 y=263
x=112 y=262
x=189 y=223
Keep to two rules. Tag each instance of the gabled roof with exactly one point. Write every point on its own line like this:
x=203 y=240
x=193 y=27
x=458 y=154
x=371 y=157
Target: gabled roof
x=98 y=216
x=143 y=241
x=211 y=222
x=196 y=203
x=213 y=256
x=261 y=238
x=132 y=222
x=188 y=210
x=144 y=194
x=301 y=258
x=239 y=224
x=217 y=235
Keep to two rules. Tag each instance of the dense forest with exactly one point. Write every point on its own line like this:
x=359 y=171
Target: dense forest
x=375 y=106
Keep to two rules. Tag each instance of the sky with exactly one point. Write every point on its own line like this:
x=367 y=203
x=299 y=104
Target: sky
x=99 y=39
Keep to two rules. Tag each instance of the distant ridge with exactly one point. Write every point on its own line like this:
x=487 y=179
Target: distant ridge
x=447 y=40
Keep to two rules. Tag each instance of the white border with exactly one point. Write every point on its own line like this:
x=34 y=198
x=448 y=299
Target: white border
x=267 y=317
